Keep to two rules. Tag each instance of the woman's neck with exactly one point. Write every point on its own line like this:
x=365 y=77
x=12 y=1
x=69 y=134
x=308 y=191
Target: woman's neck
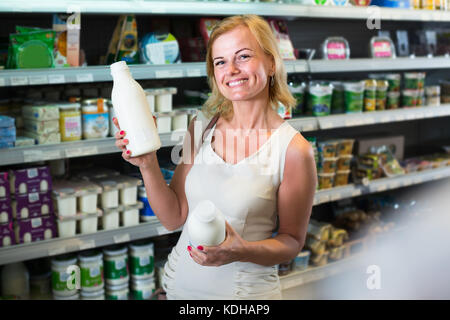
x=253 y=114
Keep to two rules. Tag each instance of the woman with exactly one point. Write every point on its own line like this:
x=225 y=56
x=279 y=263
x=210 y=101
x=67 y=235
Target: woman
x=269 y=175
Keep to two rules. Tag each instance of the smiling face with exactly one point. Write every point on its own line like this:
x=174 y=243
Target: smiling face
x=241 y=68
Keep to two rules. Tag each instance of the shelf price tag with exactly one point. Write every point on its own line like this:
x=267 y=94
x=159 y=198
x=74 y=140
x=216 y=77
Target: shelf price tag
x=335 y=196
x=356 y=192
x=194 y=72
x=385 y=119
x=177 y=73
x=56 y=251
x=2 y=82
x=80 y=152
x=308 y=127
x=299 y=68
x=19 y=81
x=119 y=238
x=381 y=188
x=34 y=80
x=87 y=245
x=85 y=77
x=56 y=78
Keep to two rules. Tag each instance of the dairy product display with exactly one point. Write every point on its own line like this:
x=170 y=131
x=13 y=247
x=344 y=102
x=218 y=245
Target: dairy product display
x=41 y=112
x=7 y=236
x=72 y=196
x=116 y=265
x=110 y=219
x=32 y=205
x=141 y=260
x=130 y=214
x=206 y=225
x=41 y=127
x=91 y=267
x=35 y=229
x=93 y=295
x=136 y=119
x=29 y=180
x=70 y=121
x=117 y=292
x=5 y=210
x=95 y=118
x=146 y=213
x=60 y=275
x=142 y=289
x=15 y=281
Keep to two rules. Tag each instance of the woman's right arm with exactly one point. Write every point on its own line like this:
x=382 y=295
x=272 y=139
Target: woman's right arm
x=169 y=203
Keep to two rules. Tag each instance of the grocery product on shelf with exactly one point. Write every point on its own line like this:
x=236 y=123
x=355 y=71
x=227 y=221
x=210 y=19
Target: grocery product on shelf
x=42 y=123
x=319 y=98
x=338 y=98
x=142 y=289
x=129 y=215
x=116 y=265
x=301 y=261
x=336 y=48
x=280 y=30
x=117 y=292
x=15 y=281
x=370 y=95
x=433 y=94
x=141 y=260
x=70 y=121
x=404 y=4
x=124 y=42
x=7 y=132
x=30 y=180
x=159 y=48
x=32 y=205
x=381 y=95
x=206 y=26
x=360 y=3
x=206 y=225
x=66 y=51
x=95 y=118
x=393 y=100
x=353 y=96
x=381 y=47
x=31 y=49
x=298 y=90
x=135 y=119
x=91 y=269
x=146 y=213
x=7 y=236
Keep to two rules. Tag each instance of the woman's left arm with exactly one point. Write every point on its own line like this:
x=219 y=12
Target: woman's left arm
x=295 y=201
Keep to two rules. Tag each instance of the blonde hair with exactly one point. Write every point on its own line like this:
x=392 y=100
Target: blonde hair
x=278 y=93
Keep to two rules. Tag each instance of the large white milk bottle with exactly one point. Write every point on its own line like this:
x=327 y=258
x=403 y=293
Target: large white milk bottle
x=206 y=225
x=133 y=112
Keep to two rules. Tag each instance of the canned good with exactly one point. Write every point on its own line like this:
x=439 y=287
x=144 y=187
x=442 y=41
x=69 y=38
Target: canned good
x=95 y=117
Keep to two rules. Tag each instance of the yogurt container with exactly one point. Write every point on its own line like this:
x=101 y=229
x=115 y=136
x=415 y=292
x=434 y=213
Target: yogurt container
x=88 y=224
x=338 y=98
x=130 y=215
x=354 y=96
x=141 y=260
x=180 y=121
x=382 y=86
x=328 y=149
x=66 y=228
x=67 y=193
x=298 y=90
x=116 y=265
x=341 y=178
x=393 y=100
x=128 y=189
x=109 y=198
x=319 y=98
x=117 y=292
x=164 y=121
x=95 y=115
x=60 y=276
x=326 y=180
x=328 y=165
x=150 y=95
x=76 y=296
x=343 y=162
x=394 y=81
x=110 y=219
x=409 y=98
x=93 y=295
x=142 y=289
x=163 y=99
x=91 y=268
x=70 y=121
x=370 y=95
x=344 y=147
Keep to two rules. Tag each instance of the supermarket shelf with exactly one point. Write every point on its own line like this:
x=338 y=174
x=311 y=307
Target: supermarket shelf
x=311 y=274
x=380 y=185
x=105 y=146
x=213 y=8
x=369 y=64
x=75 y=149
x=52 y=247
x=151 y=229
x=25 y=77
x=89 y=74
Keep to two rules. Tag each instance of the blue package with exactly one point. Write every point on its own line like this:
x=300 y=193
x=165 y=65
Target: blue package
x=146 y=211
x=167 y=174
x=6 y=122
x=7 y=132
x=8 y=144
x=159 y=48
x=404 y=4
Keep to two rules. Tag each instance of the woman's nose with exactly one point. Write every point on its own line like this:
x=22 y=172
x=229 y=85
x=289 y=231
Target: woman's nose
x=232 y=68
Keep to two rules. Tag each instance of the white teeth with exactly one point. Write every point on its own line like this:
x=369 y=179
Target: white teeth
x=236 y=83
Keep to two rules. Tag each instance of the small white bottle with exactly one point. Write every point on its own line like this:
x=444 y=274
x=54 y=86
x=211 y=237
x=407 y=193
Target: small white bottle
x=206 y=225
x=133 y=112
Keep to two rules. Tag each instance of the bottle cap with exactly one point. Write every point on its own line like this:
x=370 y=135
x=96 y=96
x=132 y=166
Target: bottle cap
x=118 y=66
x=205 y=211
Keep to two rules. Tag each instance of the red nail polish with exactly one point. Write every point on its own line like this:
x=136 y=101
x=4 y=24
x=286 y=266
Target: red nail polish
x=122 y=133
x=125 y=140
x=128 y=151
x=189 y=248
x=200 y=248
x=114 y=118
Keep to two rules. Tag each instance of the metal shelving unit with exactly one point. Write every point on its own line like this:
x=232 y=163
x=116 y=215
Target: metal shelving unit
x=58 y=246
x=105 y=146
x=213 y=8
x=27 y=77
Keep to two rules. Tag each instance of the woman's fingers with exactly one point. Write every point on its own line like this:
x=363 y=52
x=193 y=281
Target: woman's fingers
x=126 y=154
x=156 y=123
x=116 y=123
x=120 y=142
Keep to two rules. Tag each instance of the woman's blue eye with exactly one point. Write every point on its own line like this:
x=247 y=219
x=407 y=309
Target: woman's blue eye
x=219 y=63
x=244 y=56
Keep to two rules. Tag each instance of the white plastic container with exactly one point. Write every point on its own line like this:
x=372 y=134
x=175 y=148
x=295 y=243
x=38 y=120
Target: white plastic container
x=130 y=214
x=133 y=112
x=40 y=286
x=16 y=281
x=128 y=189
x=142 y=260
x=91 y=268
x=88 y=224
x=116 y=265
x=110 y=219
x=66 y=192
x=76 y=296
x=180 y=121
x=142 y=289
x=119 y=292
x=95 y=117
x=67 y=228
x=151 y=94
x=109 y=198
x=163 y=100
x=60 y=275
x=93 y=295
x=164 y=122
x=66 y=206
x=206 y=225
x=88 y=203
